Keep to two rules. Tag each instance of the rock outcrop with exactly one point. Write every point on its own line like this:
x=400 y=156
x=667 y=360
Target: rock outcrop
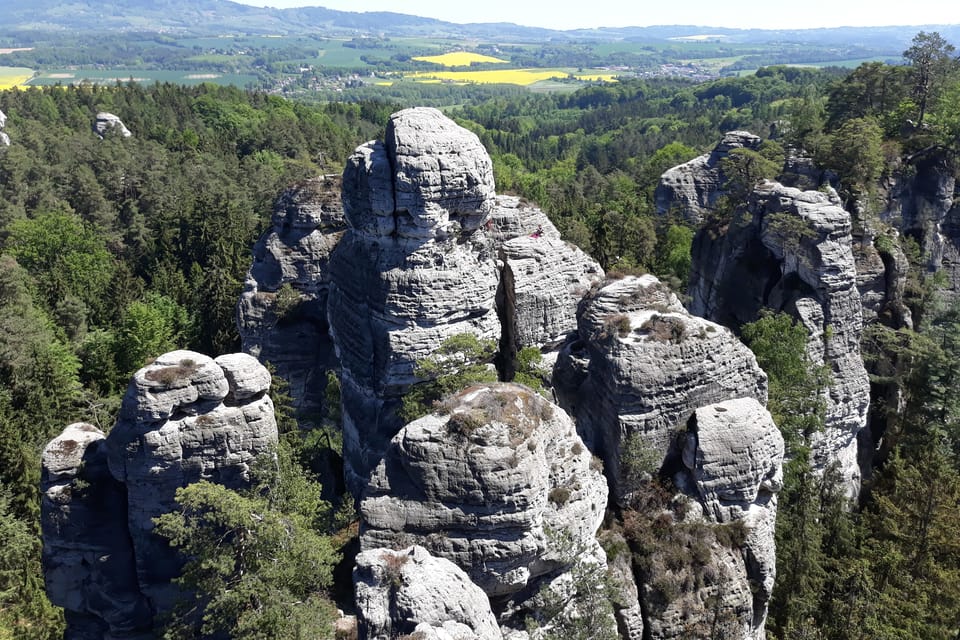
x=282 y=314
x=106 y=122
x=405 y=592
x=499 y=483
x=793 y=252
x=3 y=119
x=4 y=139
x=693 y=188
x=185 y=417
x=639 y=365
x=88 y=561
x=430 y=252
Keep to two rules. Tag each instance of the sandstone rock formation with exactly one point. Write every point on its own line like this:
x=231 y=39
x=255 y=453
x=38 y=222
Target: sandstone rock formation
x=185 y=417
x=411 y=592
x=3 y=119
x=692 y=188
x=4 y=139
x=431 y=252
x=921 y=203
x=639 y=365
x=107 y=122
x=282 y=314
x=499 y=483
x=793 y=252
x=88 y=559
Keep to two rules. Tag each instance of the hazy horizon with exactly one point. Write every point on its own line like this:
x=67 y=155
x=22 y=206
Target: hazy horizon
x=746 y=14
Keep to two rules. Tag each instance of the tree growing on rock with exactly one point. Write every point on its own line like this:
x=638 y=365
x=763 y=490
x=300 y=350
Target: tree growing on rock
x=932 y=62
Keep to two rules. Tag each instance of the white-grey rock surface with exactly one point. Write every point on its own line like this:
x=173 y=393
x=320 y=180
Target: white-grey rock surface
x=282 y=313
x=639 y=365
x=107 y=122
x=500 y=484
x=3 y=119
x=4 y=139
x=405 y=592
x=185 y=418
x=693 y=188
x=793 y=252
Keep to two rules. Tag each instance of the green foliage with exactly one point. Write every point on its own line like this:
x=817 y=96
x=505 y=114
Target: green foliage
x=65 y=256
x=673 y=254
x=255 y=571
x=856 y=154
x=931 y=63
x=461 y=360
x=744 y=168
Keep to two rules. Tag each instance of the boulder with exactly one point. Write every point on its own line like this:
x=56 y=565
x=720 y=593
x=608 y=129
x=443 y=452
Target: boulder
x=4 y=139
x=282 y=313
x=693 y=188
x=399 y=593
x=639 y=365
x=498 y=483
x=185 y=418
x=107 y=122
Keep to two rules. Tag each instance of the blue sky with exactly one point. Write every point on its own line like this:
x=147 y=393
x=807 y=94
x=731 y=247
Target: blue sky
x=563 y=14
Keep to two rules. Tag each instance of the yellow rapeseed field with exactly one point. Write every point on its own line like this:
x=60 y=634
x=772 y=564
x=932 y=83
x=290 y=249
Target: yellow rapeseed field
x=522 y=77
x=459 y=59
x=14 y=76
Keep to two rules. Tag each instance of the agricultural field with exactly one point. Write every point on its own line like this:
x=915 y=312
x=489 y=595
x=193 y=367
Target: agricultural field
x=460 y=59
x=521 y=77
x=14 y=76
x=112 y=76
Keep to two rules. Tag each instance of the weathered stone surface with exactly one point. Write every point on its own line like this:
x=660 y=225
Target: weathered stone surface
x=692 y=188
x=409 y=591
x=288 y=328
x=3 y=119
x=107 y=122
x=794 y=253
x=640 y=365
x=549 y=277
x=87 y=557
x=184 y=418
x=410 y=272
x=501 y=485
x=4 y=139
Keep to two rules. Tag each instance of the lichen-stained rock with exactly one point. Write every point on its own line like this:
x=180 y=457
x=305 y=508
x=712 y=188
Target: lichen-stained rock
x=184 y=418
x=282 y=313
x=500 y=484
x=411 y=270
x=405 y=592
x=793 y=253
x=87 y=557
x=106 y=122
x=639 y=365
x=692 y=188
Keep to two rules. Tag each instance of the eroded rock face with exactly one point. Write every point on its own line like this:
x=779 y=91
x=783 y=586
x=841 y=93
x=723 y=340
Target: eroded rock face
x=692 y=188
x=185 y=417
x=500 y=484
x=107 y=122
x=411 y=592
x=639 y=365
x=282 y=314
x=88 y=560
x=794 y=253
x=410 y=271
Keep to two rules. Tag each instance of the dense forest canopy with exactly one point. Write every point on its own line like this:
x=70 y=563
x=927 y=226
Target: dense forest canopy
x=115 y=250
